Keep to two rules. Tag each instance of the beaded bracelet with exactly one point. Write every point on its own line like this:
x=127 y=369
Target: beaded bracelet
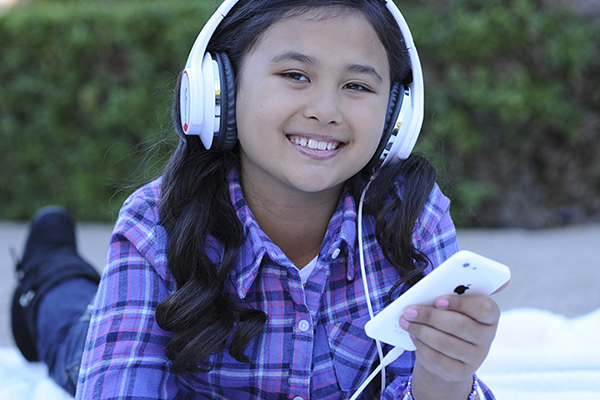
x=409 y=395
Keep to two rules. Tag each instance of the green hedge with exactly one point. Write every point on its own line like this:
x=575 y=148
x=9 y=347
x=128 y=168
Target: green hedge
x=512 y=105
x=512 y=109
x=86 y=91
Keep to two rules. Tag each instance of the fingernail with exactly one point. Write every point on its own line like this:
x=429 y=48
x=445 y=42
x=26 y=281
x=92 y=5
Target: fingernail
x=442 y=303
x=411 y=313
x=404 y=323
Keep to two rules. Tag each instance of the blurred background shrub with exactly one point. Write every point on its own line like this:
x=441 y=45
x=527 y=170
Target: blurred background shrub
x=86 y=91
x=512 y=108
x=512 y=104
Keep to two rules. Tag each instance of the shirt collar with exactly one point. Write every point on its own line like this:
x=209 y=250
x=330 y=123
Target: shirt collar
x=340 y=236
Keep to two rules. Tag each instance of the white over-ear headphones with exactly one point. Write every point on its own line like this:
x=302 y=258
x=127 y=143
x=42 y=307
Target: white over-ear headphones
x=207 y=96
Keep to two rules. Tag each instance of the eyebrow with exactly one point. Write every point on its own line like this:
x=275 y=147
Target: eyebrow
x=294 y=56
x=303 y=58
x=365 y=69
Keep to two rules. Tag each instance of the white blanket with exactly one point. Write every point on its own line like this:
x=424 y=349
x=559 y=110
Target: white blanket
x=541 y=356
x=536 y=356
x=21 y=380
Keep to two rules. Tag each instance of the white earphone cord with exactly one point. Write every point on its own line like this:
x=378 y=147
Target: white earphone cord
x=388 y=359
x=395 y=352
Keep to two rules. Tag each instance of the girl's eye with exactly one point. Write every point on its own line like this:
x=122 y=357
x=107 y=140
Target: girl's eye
x=357 y=87
x=295 y=76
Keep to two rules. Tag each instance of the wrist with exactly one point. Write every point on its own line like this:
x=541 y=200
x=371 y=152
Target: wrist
x=423 y=385
x=472 y=396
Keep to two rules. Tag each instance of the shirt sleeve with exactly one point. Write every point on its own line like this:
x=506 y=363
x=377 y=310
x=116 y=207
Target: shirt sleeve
x=435 y=236
x=124 y=356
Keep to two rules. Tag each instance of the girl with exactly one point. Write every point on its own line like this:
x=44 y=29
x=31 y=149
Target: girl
x=237 y=274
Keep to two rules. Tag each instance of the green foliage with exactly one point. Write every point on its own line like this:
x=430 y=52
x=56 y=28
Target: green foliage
x=512 y=98
x=86 y=90
x=512 y=104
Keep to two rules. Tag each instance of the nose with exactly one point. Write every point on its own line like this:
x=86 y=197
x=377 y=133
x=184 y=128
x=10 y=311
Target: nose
x=324 y=106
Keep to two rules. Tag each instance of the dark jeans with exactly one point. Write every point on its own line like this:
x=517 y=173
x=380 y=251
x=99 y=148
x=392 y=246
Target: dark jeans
x=63 y=320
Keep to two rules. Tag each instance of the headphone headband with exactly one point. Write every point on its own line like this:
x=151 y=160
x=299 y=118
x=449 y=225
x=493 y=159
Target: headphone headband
x=202 y=86
x=198 y=88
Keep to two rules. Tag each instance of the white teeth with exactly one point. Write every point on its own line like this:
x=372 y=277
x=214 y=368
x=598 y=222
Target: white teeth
x=314 y=144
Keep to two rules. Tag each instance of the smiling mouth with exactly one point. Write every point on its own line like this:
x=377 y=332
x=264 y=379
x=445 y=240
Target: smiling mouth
x=314 y=144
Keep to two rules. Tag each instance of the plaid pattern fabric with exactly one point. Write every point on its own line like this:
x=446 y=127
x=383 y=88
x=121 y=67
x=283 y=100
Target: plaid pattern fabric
x=313 y=345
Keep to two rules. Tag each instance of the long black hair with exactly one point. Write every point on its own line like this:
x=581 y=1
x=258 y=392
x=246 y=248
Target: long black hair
x=195 y=201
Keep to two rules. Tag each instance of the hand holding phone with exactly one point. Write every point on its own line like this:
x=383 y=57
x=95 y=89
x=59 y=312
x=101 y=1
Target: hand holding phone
x=463 y=273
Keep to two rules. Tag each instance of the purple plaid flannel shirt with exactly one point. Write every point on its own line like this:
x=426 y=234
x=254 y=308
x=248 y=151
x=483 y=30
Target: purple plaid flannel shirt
x=313 y=345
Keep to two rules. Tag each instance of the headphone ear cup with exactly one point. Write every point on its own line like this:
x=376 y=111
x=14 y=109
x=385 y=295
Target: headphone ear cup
x=394 y=107
x=385 y=144
x=227 y=137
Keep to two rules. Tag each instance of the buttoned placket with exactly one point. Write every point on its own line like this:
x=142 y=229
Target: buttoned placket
x=303 y=344
x=310 y=297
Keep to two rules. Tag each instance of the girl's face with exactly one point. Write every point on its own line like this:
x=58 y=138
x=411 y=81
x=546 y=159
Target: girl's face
x=311 y=103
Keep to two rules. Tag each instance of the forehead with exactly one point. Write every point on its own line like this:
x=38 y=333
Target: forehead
x=324 y=31
x=325 y=14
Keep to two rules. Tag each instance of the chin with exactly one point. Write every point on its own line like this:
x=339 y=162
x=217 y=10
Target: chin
x=316 y=185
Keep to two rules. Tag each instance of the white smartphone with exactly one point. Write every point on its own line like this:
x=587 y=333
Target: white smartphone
x=464 y=273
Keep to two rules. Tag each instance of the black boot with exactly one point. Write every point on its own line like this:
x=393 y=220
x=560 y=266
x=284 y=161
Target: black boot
x=50 y=258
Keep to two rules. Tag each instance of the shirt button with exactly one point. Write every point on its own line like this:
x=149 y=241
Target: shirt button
x=335 y=253
x=303 y=325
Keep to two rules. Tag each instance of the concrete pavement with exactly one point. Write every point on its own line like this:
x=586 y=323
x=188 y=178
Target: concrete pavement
x=556 y=270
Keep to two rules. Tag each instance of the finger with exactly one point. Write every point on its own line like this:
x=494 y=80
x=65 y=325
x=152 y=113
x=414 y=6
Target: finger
x=432 y=324
x=467 y=345
x=451 y=346
x=478 y=307
x=439 y=363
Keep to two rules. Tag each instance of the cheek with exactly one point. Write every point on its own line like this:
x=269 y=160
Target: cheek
x=372 y=126
x=248 y=115
x=256 y=108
